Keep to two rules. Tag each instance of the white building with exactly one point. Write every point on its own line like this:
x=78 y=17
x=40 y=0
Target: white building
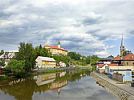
x=45 y=62
x=62 y=64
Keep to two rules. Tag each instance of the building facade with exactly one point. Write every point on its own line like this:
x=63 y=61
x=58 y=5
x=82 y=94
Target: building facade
x=56 y=50
x=120 y=67
x=45 y=62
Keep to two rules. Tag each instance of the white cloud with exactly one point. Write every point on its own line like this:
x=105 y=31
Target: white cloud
x=83 y=25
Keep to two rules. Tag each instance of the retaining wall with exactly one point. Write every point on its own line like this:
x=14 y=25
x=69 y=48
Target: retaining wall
x=115 y=90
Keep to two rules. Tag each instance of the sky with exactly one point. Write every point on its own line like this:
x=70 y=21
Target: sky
x=89 y=27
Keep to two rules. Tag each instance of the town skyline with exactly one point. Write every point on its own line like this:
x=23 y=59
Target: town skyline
x=84 y=26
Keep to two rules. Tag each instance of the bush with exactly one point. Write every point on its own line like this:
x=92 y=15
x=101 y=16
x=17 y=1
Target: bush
x=2 y=62
x=16 y=68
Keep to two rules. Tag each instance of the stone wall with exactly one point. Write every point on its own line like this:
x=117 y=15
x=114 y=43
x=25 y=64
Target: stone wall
x=115 y=90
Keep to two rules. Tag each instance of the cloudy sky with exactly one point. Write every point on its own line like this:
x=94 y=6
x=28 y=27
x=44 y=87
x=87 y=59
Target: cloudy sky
x=84 y=26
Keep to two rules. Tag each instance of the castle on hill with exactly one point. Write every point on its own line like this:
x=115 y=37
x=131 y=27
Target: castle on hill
x=56 y=49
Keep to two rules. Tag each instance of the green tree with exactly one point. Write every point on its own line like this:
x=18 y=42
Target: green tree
x=26 y=53
x=1 y=52
x=94 y=59
x=88 y=59
x=2 y=62
x=74 y=55
x=39 y=51
x=16 y=67
x=62 y=58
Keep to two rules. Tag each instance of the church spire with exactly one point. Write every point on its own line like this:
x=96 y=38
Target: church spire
x=122 y=41
x=122 y=48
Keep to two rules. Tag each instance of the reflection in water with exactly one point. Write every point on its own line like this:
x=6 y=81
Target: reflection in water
x=46 y=85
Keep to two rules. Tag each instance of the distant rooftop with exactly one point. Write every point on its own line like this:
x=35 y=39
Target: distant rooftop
x=56 y=47
x=45 y=58
x=127 y=57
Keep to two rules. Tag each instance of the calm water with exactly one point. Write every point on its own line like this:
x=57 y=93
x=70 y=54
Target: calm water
x=59 y=86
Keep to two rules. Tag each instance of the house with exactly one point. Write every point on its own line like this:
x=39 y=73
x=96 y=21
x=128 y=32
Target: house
x=56 y=50
x=7 y=56
x=119 y=67
x=62 y=64
x=123 y=75
x=45 y=62
x=101 y=68
x=103 y=63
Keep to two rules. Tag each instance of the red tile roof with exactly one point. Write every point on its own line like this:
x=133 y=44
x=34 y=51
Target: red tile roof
x=56 y=47
x=129 y=57
x=53 y=46
x=117 y=58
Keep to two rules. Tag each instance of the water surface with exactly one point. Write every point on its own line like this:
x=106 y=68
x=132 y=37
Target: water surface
x=74 y=85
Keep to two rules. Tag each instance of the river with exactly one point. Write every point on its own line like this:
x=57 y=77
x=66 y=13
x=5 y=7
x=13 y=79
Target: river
x=70 y=85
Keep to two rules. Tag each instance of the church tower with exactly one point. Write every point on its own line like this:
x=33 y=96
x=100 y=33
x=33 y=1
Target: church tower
x=122 y=48
x=59 y=45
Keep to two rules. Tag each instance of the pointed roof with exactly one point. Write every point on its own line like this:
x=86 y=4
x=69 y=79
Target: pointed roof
x=122 y=41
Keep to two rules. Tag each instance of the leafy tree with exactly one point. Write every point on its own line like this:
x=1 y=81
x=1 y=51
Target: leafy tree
x=39 y=51
x=26 y=53
x=2 y=62
x=88 y=59
x=74 y=55
x=94 y=59
x=62 y=58
x=1 y=52
x=16 y=67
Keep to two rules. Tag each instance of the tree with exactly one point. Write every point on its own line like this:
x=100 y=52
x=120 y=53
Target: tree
x=27 y=54
x=1 y=52
x=62 y=58
x=94 y=59
x=39 y=51
x=2 y=62
x=16 y=67
x=88 y=59
x=74 y=55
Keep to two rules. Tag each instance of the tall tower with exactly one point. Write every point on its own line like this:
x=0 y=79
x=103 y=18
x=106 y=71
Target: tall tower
x=59 y=45
x=122 y=48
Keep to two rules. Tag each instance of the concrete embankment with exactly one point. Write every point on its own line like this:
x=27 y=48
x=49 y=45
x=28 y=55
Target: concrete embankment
x=112 y=88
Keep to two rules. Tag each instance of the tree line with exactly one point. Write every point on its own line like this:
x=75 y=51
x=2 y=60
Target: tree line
x=24 y=60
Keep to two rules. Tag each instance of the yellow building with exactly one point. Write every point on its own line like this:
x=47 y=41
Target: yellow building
x=56 y=50
x=45 y=62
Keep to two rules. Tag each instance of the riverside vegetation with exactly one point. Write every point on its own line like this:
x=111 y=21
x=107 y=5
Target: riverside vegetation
x=24 y=61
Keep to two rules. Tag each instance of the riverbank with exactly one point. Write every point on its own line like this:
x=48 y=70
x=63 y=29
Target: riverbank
x=123 y=91
x=7 y=80
x=55 y=70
